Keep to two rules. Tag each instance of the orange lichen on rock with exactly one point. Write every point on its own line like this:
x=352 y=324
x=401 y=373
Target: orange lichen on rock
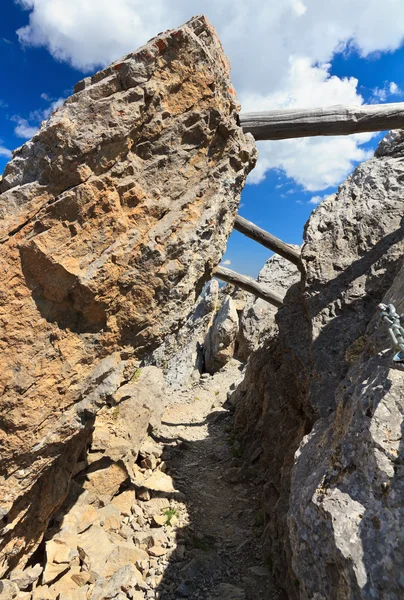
x=92 y=275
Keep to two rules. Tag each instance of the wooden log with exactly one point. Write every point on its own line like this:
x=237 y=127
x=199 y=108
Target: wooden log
x=330 y=120
x=249 y=285
x=267 y=239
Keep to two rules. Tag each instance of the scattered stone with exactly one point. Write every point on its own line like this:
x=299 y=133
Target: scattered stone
x=155 y=506
x=226 y=591
x=124 y=502
x=122 y=555
x=126 y=578
x=157 y=551
x=110 y=517
x=25 y=578
x=183 y=590
x=159 y=520
x=8 y=590
x=160 y=482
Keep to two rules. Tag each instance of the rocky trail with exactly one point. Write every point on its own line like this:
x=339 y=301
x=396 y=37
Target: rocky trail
x=218 y=551
x=121 y=475
x=187 y=524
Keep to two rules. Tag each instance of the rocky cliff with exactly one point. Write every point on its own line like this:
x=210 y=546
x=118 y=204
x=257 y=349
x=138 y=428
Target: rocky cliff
x=112 y=219
x=320 y=410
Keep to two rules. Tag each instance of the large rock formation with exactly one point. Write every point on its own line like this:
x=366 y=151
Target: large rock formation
x=112 y=218
x=332 y=499
x=224 y=323
x=258 y=317
x=181 y=356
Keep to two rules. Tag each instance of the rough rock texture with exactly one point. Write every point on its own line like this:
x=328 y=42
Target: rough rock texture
x=220 y=342
x=112 y=219
x=346 y=515
x=323 y=523
x=181 y=356
x=224 y=323
x=258 y=317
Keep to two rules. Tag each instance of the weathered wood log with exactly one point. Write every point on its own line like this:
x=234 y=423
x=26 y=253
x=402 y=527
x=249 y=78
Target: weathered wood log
x=249 y=285
x=267 y=239
x=330 y=120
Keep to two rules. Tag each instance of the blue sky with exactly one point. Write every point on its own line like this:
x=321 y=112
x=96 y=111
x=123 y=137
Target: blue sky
x=309 y=53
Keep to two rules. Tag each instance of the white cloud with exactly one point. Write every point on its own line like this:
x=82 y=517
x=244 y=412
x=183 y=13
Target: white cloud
x=319 y=162
x=5 y=151
x=3 y=104
x=27 y=128
x=279 y=52
x=23 y=129
x=381 y=94
x=394 y=89
x=317 y=199
x=226 y=262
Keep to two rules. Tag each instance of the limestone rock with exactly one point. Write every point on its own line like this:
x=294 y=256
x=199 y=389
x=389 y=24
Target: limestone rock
x=182 y=354
x=220 y=343
x=330 y=525
x=258 y=317
x=159 y=482
x=124 y=502
x=112 y=219
x=8 y=590
x=351 y=504
x=155 y=506
x=124 y=579
x=25 y=578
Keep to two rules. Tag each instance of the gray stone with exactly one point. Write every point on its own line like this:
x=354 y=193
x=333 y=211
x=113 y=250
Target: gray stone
x=220 y=341
x=258 y=317
x=321 y=405
x=181 y=356
x=8 y=590
x=25 y=578
x=226 y=591
x=126 y=578
x=346 y=514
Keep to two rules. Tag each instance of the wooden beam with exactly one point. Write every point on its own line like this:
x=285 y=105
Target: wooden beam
x=267 y=239
x=249 y=285
x=330 y=120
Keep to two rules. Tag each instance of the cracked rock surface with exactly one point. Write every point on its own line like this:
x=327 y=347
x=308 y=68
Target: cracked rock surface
x=112 y=219
x=321 y=407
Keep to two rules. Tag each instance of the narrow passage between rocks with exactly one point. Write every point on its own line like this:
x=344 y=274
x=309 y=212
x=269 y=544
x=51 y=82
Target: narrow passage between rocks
x=216 y=511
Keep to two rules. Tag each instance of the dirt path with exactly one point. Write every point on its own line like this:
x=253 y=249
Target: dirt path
x=219 y=520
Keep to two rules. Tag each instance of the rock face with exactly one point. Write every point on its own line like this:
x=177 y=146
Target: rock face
x=225 y=323
x=181 y=356
x=258 y=317
x=112 y=218
x=221 y=339
x=347 y=503
x=333 y=491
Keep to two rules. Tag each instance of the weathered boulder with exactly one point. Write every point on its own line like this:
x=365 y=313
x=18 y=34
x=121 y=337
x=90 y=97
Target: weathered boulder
x=322 y=521
x=181 y=356
x=221 y=339
x=258 y=317
x=112 y=218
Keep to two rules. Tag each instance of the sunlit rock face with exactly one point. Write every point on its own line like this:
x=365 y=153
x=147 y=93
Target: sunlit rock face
x=112 y=218
x=321 y=407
